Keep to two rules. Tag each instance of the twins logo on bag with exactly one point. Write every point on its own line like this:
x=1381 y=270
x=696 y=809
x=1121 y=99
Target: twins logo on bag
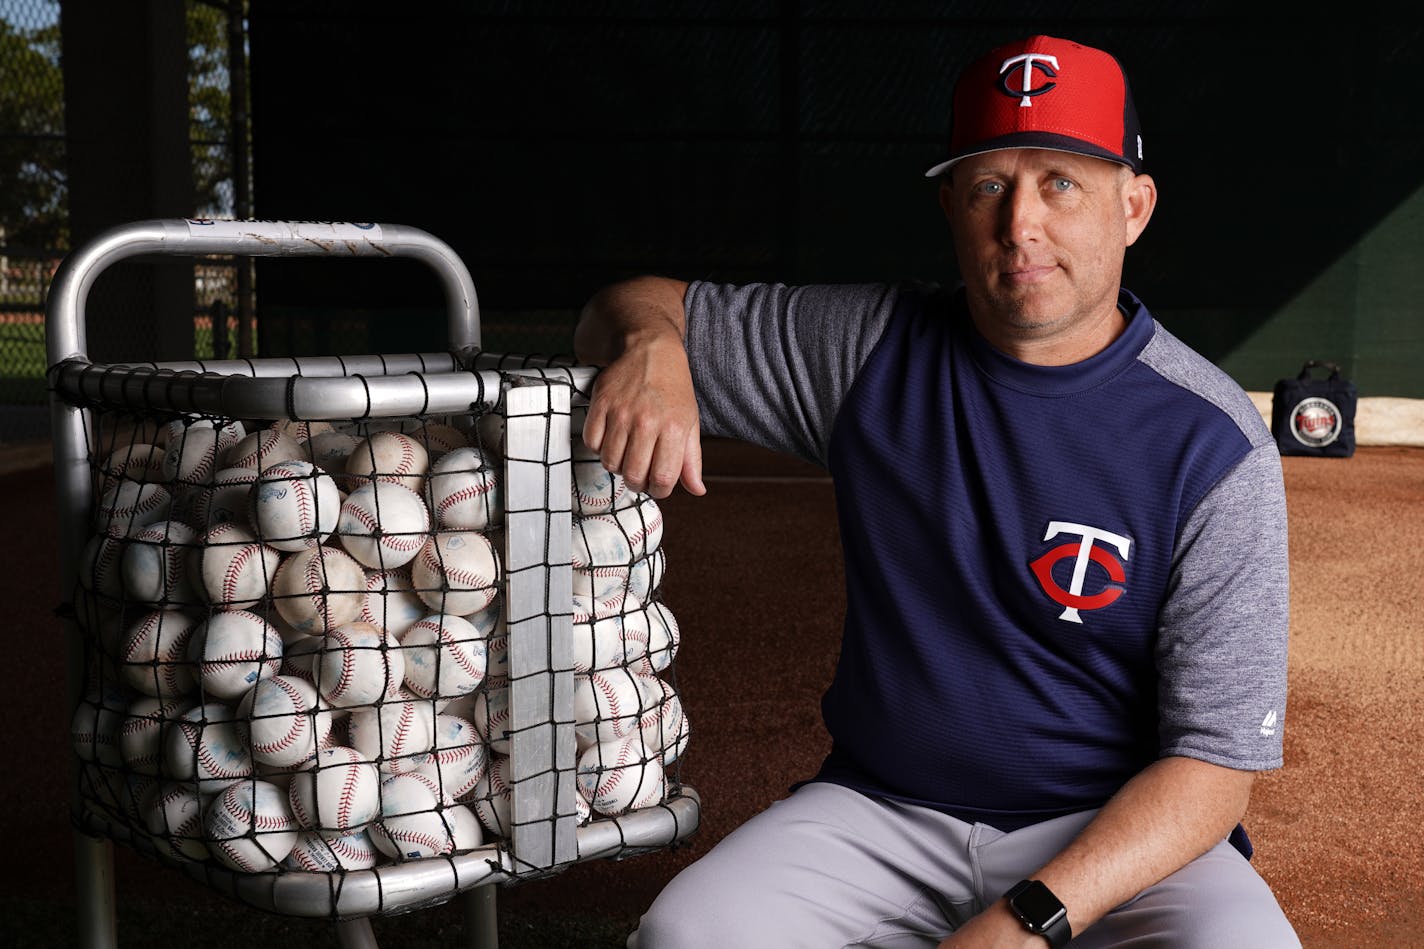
x=1315 y=422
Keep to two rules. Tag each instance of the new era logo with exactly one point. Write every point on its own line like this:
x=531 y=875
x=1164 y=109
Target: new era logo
x=1268 y=724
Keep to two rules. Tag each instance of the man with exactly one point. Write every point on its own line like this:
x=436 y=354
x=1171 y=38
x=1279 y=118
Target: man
x=1064 y=652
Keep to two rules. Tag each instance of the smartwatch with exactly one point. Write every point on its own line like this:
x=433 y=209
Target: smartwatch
x=1040 y=911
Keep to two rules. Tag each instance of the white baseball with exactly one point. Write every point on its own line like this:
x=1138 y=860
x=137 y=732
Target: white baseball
x=606 y=638
x=456 y=572
x=207 y=747
x=664 y=638
x=330 y=449
x=130 y=506
x=493 y=798
x=663 y=727
x=262 y=449
x=444 y=656
x=439 y=439
x=157 y=564
x=465 y=828
x=358 y=664
x=137 y=461
x=383 y=525
x=609 y=704
x=227 y=500
x=618 y=539
x=299 y=655
x=235 y=568
x=250 y=827
x=287 y=723
x=463 y=491
x=410 y=826
x=193 y=455
x=302 y=431
x=142 y=733
x=318 y=854
x=99 y=567
x=95 y=726
x=174 y=817
x=232 y=651
x=491 y=717
x=391 y=602
x=620 y=775
x=338 y=794
x=388 y=456
x=317 y=590
x=597 y=490
x=154 y=654
x=458 y=759
x=398 y=734
x=295 y=505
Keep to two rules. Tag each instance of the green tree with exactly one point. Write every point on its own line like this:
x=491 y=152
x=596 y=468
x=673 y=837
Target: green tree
x=33 y=211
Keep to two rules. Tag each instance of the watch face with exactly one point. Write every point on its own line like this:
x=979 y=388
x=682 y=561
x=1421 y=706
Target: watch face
x=1037 y=904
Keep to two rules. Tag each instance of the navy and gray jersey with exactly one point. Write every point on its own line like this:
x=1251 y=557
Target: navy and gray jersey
x=1055 y=575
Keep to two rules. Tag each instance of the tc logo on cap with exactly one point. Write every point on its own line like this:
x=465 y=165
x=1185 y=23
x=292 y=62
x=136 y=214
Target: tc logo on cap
x=1029 y=62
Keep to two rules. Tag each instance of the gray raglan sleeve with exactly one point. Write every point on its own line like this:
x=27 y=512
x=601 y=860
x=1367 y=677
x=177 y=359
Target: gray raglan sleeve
x=771 y=364
x=1223 y=641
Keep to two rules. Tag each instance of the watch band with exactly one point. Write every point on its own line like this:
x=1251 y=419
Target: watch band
x=1041 y=912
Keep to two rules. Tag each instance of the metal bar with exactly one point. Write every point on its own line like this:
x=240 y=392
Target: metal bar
x=66 y=336
x=481 y=922
x=538 y=559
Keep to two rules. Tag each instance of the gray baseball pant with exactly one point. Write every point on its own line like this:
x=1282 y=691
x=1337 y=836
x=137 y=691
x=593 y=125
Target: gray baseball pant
x=829 y=867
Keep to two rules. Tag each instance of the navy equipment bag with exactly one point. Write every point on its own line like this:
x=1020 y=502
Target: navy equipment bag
x=1311 y=416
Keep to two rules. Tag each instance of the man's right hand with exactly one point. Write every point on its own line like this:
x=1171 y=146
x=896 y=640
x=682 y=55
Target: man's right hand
x=642 y=416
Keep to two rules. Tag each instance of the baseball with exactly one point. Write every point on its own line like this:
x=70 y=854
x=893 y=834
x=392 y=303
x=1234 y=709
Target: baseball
x=130 y=506
x=174 y=817
x=235 y=569
x=154 y=654
x=358 y=664
x=294 y=505
x=318 y=854
x=262 y=449
x=302 y=431
x=227 y=500
x=250 y=827
x=439 y=438
x=491 y=717
x=287 y=723
x=207 y=747
x=99 y=567
x=444 y=657
x=338 y=794
x=397 y=734
x=465 y=829
x=318 y=590
x=193 y=455
x=136 y=461
x=157 y=564
x=330 y=449
x=609 y=704
x=596 y=490
x=663 y=727
x=142 y=733
x=664 y=637
x=232 y=651
x=458 y=759
x=383 y=525
x=619 y=776
x=391 y=602
x=463 y=491
x=606 y=638
x=95 y=727
x=388 y=456
x=618 y=539
x=456 y=572
x=410 y=826
x=493 y=798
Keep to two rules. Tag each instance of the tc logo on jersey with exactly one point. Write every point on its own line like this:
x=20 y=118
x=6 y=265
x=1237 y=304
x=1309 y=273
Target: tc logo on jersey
x=1084 y=551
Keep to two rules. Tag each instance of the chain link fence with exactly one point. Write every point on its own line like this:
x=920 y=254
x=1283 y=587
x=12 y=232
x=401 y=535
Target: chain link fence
x=34 y=214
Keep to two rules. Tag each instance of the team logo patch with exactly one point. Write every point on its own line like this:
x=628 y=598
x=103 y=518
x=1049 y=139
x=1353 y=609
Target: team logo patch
x=1315 y=422
x=1025 y=65
x=1108 y=581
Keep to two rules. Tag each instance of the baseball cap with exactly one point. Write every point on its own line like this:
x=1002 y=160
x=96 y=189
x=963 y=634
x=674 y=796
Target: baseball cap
x=1044 y=92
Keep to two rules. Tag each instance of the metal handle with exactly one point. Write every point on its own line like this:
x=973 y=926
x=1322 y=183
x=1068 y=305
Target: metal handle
x=65 y=336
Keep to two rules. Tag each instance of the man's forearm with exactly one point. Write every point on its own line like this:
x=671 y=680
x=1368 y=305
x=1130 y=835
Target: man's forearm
x=623 y=312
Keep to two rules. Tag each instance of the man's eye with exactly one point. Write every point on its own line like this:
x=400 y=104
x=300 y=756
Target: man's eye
x=991 y=187
x=1063 y=184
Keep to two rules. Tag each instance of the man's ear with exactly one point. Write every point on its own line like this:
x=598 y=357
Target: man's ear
x=1139 y=197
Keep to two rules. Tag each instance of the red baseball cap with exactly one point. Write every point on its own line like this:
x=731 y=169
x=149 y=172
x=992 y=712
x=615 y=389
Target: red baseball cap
x=1044 y=92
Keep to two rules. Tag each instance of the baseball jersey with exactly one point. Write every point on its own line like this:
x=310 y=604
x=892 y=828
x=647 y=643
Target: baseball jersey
x=1054 y=575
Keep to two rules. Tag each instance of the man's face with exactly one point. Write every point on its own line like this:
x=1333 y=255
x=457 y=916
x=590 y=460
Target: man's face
x=1040 y=237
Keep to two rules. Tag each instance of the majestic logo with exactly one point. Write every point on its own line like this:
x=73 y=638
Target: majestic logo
x=1027 y=63
x=1315 y=422
x=1084 y=552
